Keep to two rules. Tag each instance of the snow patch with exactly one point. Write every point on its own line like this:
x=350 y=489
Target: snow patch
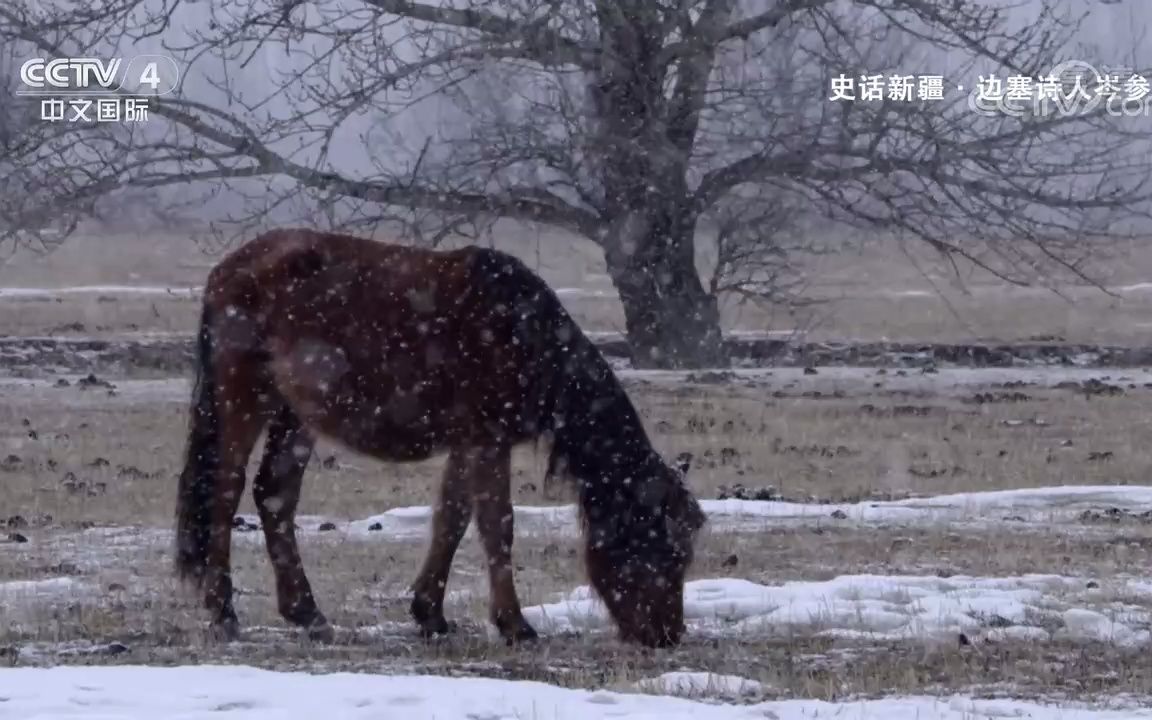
x=585 y=292
x=245 y=693
x=700 y=684
x=412 y=523
x=32 y=601
x=1038 y=505
x=856 y=380
x=881 y=608
x=909 y=293
x=30 y=292
x=1135 y=287
x=1043 y=504
x=196 y=291
x=47 y=588
x=852 y=381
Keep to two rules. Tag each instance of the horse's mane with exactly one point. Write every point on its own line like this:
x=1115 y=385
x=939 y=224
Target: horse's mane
x=597 y=437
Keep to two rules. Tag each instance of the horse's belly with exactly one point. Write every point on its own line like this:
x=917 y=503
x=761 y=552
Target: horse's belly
x=400 y=426
x=379 y=418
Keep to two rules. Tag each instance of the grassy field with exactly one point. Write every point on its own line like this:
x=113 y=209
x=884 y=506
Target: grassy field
x=87 y=478
x=85 y=458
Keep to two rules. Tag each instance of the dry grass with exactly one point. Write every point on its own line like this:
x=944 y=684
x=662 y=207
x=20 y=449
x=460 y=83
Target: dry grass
x=870 y=443
x=361 y=585
x=825 y=448
x=85 y=458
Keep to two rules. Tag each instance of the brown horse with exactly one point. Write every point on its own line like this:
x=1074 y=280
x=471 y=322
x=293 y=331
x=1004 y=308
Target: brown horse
x=401 y=353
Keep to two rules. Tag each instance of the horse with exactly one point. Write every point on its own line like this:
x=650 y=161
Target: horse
x=402 y=353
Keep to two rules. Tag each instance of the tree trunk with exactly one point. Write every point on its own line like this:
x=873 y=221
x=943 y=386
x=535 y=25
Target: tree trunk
x=671 y=320
x=641 y=145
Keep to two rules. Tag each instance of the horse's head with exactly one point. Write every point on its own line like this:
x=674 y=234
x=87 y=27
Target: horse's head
x=638 y=554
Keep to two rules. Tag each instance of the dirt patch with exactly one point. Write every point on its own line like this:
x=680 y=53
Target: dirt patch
x=36 y=356
x=1116 y=515
x=173 y=356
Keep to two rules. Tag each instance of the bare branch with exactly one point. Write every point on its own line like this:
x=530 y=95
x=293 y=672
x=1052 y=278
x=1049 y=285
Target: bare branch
x=633 y=122
x=535 y=39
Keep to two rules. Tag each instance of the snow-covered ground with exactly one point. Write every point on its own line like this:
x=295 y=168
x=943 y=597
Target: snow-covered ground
x=850 y=609
x=1058 y=504
x=894 y=607
x=107 y=290
x=196 y=291
x=849 y=380
x=215 y=692
x=944 y=381
x=783 y=334
x=1057 y=508
x=868 y=608
x=1035 y=607
x=111 y=290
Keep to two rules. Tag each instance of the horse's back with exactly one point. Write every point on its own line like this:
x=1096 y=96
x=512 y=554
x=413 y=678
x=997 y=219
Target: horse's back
x=394 y=349
x=285 y=256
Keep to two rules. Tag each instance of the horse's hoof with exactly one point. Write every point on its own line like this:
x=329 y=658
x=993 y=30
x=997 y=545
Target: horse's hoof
x=322 y=633
x=225 y=631
x=437 y=628
x=519 y=633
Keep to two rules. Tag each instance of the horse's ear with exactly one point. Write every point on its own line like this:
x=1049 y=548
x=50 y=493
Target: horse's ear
x=683 y=462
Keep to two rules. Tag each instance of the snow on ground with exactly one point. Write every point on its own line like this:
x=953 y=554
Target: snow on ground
x=196 y=291
x=700 y=684
x=411 y=523
x=108 y=290
x=1028 y=505
x=1137 y=287
x=585 y=292
x=48 y=588
x=864 y=608
x=1047 y=506
x=245 y=693
x=782 y=334
x=141 y=336
x=1062 y=503
x=850 y=381
x=606 y=292
x=944 y=380
x=891 y=607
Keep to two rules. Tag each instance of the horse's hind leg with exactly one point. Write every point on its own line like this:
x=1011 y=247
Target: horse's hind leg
x=449 y=523
x=241 y=418
x=276 y=490
x=492 y=490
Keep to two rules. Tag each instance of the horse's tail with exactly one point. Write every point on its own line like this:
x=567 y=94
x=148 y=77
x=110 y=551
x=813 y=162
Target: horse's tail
x=196 y=494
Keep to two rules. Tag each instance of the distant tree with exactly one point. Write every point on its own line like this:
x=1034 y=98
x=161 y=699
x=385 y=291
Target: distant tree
x=42 y=198
x=641 y=124
x=15 y=139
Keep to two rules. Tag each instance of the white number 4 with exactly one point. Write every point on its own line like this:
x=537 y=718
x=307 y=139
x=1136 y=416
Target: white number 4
x=150 y=76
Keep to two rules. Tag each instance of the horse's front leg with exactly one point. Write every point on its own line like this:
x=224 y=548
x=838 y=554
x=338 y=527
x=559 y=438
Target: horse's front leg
x=492 y=490
x=450 y=520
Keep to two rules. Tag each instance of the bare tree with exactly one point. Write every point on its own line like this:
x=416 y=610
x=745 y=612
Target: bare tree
x=632 y=122
x=20 y=209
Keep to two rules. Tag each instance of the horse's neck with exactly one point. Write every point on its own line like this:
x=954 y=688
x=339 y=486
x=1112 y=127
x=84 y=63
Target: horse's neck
x=600 y=412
